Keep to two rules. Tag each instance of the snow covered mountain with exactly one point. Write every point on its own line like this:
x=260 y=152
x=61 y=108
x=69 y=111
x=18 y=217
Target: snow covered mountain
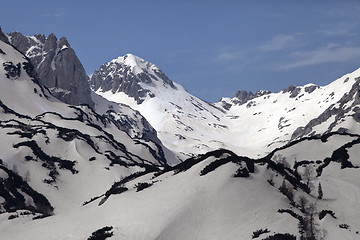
x=59 y=146
x=282 y=116
x=185 y=124
x=76 y=172
x=58 y=68
x=245 y=124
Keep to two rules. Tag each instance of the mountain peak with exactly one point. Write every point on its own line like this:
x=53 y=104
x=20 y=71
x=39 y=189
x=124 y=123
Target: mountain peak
x=131 y=75
x=136 y=64
x=57 y=66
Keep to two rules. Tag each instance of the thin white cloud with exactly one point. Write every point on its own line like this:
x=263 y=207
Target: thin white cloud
x=56 y=14
x=334 y=12
x=341 y=29
x=277 y=43
x=326 y=54
x=230 y=55
x=332 y=32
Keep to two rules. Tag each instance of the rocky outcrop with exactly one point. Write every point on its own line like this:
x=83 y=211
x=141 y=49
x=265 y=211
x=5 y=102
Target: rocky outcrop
x=242 y=97
x=57 y=66
x=126 y=74
x=3 y=37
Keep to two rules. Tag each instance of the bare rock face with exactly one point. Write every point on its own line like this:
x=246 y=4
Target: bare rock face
x=242 y=97
x=57 y=66
x=126 y=74
x=3 y=37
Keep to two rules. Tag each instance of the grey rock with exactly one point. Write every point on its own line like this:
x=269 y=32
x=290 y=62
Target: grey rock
x=311 y=88
x=295 y=92
x=3 y=37
x=12 y=71
x=57 y=66
x=226 y=105
x=118 y=77
x=290 y=88
x=242 y=97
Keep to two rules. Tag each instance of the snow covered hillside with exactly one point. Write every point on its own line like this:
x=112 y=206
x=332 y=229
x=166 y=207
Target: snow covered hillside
x=272 y=166
x=220 y=195
x=58 y=147
x=187 y=125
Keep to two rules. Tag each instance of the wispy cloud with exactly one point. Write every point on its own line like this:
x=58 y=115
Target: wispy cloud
x=277 y=43
x=334 y=12
x=230 y=55
x=57 y=14
x=337 y=32
x=341 y=29
x=326 y=54
x=236 y=59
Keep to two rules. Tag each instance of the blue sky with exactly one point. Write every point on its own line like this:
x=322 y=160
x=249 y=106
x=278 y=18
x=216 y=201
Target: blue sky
x=212 y=48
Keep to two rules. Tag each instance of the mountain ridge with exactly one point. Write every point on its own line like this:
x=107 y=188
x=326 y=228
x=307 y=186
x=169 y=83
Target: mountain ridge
x=244 y=173
x=183 y=116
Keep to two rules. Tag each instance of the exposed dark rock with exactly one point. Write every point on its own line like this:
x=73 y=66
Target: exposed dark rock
x=142 y=185
x=290 y=88
x=251 y=104
x=57 y=66
x=3 y=37
x=118 y=77
x=12 y=189
x=295 y=92
x=242 y=97
x=323 y=214
x=226 y=105
x=102 y=234
x=12 y=71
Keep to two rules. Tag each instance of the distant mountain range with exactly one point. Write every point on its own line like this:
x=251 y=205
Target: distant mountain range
x=130 y=154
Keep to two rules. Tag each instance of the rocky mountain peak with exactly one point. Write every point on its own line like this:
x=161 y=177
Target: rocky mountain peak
x=57 y=66
x=137 y=64
x=132 y=75
x=3 y=37
x=50 y=43
x=63 y=42
x=40 y=37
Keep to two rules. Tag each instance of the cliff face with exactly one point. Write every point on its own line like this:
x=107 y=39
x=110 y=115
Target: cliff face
x=57 y=66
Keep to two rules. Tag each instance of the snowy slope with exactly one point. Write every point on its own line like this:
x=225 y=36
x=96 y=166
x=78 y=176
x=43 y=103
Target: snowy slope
x=83 y=170
x=188 y=125
x=199 y=204
x=190 y=207
x=131 y=122
x=274 y=117
x=341 y=116
x=67 y=152
x=185 y=124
